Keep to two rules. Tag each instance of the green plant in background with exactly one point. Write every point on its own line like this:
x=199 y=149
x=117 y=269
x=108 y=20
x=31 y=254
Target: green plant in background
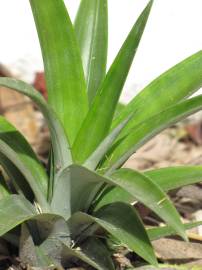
x=67 y=212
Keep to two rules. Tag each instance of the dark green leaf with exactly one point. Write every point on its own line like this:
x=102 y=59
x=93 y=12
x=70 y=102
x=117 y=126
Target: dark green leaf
x=91 y=30
x=15 y=148
x=62 y=63
x=98 y=121
x=122 y=221
x=169 y=88
x=29 y=167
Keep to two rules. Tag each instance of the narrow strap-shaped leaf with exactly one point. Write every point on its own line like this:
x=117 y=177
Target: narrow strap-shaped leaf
x=62 y=62
x=91 y=28
x=27 y=165
x=4 y=191
x=99 y=118
x=175 y=177
x=147 y=192
x=159 y=232
x=166 y=178
x=62 y=154
x=17 y=178
x=14 y=210
x=174 y=85
x=142 y=133
x=104 y=146
x=121 y=221
x=23 y=151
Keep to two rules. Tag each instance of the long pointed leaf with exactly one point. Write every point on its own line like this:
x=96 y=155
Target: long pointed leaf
x=62 y=62
x=169 y=88
x=16 y=177
x=62 y=154
x=175 y=177
x=142 y=133
x=166 y=178
x=91 y=30
x=146 y=191
x=99 y=118
x=104 y=146
x=29 y=167
x=159 y=232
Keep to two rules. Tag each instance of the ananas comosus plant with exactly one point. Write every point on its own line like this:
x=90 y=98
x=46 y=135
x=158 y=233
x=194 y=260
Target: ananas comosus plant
x=65 y=214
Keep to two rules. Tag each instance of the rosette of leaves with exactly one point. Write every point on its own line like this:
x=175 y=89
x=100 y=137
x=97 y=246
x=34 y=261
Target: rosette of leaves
x=63 y=215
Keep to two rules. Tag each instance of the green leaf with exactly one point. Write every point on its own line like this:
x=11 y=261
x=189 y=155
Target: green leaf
x=166 y=178
x=113 y=194
x=14 y=210
x=27 y=165
x=62 y=62
x=75 y=190
x=91 y=29
x=92 y=252
x=147 y=192
x=122 y=221
x=169 y=88
x=16 y=177
x=4 y=192
x=143 y=132
x=159 y=232
x=175 y=177
x=142 y=186
x=15 y=148
x=62 y=154
x=98 y=120
x=104 y=146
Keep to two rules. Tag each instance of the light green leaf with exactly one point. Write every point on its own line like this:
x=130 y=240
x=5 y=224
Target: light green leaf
x=169 y=88
x=91 y=28
x=147 y=192
x=143 y=132
x=98 y=120
x=166 y=178
x=175 y=177
x=122 y=221
x=159 y=232
x=62 y=63
x=4 y=192
x=104 y=146
x=14 y=210
x=62 y=154
x=75 y=190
